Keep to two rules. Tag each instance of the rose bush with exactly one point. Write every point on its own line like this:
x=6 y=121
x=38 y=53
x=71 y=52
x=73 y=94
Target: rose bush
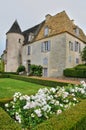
x=34 y=109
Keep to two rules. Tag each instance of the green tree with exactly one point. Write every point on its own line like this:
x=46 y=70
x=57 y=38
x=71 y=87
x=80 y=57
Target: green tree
x=0 y=64
x=83 y=55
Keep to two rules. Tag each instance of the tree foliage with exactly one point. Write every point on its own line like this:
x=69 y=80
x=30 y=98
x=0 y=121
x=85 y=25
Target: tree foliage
x=83 y=55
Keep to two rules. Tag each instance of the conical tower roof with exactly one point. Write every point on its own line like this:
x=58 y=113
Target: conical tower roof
x=15 y=28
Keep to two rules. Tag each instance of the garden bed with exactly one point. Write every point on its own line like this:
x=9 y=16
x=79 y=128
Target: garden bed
x=46 y=103
x=72 y=119
x=7 y=123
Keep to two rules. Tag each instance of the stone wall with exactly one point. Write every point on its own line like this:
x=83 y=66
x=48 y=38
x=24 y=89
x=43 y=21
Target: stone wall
x=57 y=57
x=14 y=46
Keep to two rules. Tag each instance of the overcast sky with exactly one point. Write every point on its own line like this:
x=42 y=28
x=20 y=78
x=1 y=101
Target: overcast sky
x=31 y=12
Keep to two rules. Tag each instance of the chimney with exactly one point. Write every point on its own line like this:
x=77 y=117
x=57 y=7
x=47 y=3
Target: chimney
x=47 y=17
x=72 y=21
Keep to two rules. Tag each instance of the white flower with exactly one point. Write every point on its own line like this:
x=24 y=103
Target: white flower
x=61 y=105
x=66 y=100
x=57 y=103
x=14 y=99
x=72 y=90
x=82 y=91
x=6 y=105
x=46 y=108
x=18 y=117
x=38 y=112
x=53 y=90
x=65 y=94
x=32 y=115
x=59 y=112
x=73 y=94
x=66 y=106
x=74 y=99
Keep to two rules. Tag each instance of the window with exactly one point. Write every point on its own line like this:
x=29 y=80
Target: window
x=46 y=31
x=30 y=37
x=69 y=59
x=19 y=40
x=77 y=47
x=77 y=60
x=29 y=49
x=45 y=72
x=76 y=31
x=29 y=63
x=45 y=46
x=71 y=45
x=45 y=61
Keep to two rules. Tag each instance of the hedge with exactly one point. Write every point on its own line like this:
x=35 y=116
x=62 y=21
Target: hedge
x=79 y=73
x=4 y=75
x=72 y=119
x=80 y=67
x=38 y=81
x=7 y=123
x=3 y=101
x=8 y=73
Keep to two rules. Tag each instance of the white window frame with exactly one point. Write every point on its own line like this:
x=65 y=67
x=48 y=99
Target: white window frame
x=46 y=31
x=71 y=45
x=45 y=46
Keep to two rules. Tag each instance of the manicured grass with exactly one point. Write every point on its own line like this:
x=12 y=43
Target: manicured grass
x=9 y=86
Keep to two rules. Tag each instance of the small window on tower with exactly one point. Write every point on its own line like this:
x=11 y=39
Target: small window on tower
x=19 y=40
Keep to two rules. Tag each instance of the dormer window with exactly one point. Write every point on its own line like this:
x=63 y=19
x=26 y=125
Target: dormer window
x=46 y=31
x=76 y=31
x=30 y=37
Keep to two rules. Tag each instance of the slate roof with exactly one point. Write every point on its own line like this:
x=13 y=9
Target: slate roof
x=35 y=30
x=15 y=28
x=60 y=23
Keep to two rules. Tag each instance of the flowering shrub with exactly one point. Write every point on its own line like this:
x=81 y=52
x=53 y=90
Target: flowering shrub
x=34 y=109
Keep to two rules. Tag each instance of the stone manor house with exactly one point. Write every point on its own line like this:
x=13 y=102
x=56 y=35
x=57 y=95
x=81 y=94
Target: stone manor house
x=55 y=44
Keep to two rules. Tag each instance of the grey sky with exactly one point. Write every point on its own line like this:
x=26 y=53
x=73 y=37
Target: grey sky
x=31 y=12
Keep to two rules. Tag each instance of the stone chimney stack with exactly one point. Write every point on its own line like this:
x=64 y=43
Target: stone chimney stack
x=72 y=21
x=47 y=17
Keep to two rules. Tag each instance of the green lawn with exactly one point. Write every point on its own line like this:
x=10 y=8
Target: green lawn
x=9 y=86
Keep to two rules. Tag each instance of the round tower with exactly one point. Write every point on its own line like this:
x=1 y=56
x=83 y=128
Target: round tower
x=14 y=42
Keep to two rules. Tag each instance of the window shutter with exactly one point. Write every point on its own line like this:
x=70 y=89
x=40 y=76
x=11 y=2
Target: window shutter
x=49 y=45
x=42 y=47
x=28 y=50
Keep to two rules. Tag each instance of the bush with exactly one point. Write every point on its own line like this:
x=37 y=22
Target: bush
x=72 y=119
x=78 y=71
x=39 y=81
x=6 y=123
x=80 y=67
x=36 y=70
x=21 y=68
